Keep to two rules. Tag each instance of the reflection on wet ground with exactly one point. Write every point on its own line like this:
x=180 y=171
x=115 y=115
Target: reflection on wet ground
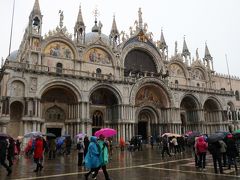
x=139 y=165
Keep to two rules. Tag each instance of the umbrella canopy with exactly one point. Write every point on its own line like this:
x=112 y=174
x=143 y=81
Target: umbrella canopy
x=171 y=135
x=66 y=135
x=215 y=137
x=4 y=135
x=33 y=134
x=237 y=131
x=106 y=132
x=80 y=135
x=50 y=135
x=191 y=137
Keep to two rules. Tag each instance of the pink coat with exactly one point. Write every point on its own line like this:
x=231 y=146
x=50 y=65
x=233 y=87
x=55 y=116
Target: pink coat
x=201 y=145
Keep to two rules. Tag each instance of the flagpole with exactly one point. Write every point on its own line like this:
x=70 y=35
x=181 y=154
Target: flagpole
x=228 y=74
x=10 y=43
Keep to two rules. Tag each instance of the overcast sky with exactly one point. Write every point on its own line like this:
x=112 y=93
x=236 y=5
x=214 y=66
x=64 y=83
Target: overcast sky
x=216 y=22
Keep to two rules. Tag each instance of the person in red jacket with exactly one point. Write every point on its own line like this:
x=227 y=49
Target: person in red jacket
x=38 y=153
x=202 y=148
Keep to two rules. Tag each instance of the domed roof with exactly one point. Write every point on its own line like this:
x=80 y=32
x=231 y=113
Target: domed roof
x=94 y=36
x=13 y=56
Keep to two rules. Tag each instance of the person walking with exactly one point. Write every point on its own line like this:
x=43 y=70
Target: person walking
x=214 y=149
x=151 y=141
x=232 y=152
x=122 y=144
x=165 y=146
x=38 y=153
x=103 y=157
x=86 y=143
x=223 y=151
x=175 y=144
x=202 y=148
x=80 y=148
x=10 y=152
x=3 y=152
x=92 y=160
x=52 y=148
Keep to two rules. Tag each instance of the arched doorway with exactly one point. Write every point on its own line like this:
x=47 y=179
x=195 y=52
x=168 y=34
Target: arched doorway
x=146 y=122
x=189 y=113
x=59 y=104
x=16 y=113
x=212 y=115
x=103 y=108
x=151 y=99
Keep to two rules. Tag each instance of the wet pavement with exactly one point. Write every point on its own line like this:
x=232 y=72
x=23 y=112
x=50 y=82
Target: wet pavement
x=138 y=165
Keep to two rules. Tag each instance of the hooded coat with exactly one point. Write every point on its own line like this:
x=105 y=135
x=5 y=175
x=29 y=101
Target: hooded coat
x=92 y=156
x=201 y=145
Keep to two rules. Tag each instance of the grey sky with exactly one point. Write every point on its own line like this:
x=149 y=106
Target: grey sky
x=216 y=22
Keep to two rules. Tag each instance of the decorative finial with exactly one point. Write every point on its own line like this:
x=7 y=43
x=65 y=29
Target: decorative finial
x=140 y=21
x=96 y=13
x=61 y=18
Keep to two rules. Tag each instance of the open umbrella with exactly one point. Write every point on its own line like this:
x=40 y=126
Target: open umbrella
x=4 y=135
x=106 y=132
x=236 y=134
x=191 y=137
x=171 y=135
x=80 y=135
x=33 y=134
x=215 y=137
x=50 y=135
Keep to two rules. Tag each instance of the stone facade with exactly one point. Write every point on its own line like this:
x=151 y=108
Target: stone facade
x=66 y=85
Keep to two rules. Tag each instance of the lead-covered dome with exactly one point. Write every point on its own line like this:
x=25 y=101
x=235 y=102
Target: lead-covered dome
x=94 y=36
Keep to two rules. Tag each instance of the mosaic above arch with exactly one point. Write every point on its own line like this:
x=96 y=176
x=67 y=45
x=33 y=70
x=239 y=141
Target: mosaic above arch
x=176 y=70
x=59 y=50
x=97 y=55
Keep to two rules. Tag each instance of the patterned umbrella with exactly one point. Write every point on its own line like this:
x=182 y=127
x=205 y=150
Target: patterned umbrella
x=33 y=134
x=106 y=132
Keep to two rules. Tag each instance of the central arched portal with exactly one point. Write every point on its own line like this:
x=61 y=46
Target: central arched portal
x=59 y=104
x=103 y=108
x=146 y=119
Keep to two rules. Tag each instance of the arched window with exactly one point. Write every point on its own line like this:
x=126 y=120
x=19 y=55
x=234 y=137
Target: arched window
x=59 y=68
x=237 y=95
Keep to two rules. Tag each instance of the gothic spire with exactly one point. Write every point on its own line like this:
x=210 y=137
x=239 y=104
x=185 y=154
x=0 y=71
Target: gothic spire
x=140 y=21
x=114 y=31
x=185 y=51
x=207 y=55
x=36 y=8
x=163 y=44
x=80 y=18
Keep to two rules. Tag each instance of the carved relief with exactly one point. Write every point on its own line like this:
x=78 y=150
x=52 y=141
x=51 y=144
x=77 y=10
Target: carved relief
x=60 y=50
x=17 y=89
x=55 y=114
x=197 y=74
x=97 y=55
x=176 y=70
x=33 y=84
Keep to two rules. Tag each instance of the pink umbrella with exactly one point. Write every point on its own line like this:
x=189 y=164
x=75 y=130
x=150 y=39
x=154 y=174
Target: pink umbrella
x=106 y=132
x=80 y=135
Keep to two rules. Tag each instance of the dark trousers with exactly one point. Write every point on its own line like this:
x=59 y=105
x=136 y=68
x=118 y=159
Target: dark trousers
x=104 y=168
x=38 y=161
x=202 y=159
x=165 y=148
x=224 y=159
x=232 y=161
x=217 y=159
x=10 y=160
x=80 y=158
x=51 y=154
x=4 y=164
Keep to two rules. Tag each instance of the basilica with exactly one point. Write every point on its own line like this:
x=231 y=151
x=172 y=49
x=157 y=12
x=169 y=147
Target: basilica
x=67 y=84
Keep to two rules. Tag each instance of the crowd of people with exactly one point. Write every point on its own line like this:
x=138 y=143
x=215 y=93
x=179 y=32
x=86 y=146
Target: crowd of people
x=94 y=154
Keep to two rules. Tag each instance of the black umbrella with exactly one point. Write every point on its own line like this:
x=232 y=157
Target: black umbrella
x=50 y=135
x=216 y=137
x=4 y=135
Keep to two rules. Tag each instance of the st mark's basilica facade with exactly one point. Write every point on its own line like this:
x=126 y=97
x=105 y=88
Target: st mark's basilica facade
x=66 y=85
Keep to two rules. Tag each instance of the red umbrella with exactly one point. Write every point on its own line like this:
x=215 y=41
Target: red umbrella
x=106 y=132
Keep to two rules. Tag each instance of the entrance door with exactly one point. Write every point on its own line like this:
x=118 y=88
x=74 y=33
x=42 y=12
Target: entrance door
x=142 y=130
x=56 y=131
